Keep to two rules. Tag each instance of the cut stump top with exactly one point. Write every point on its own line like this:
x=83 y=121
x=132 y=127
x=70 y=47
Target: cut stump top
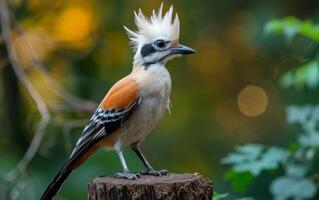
x=170 y=187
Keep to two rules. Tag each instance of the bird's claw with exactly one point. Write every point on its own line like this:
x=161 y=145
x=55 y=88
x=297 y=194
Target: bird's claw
x=128 y=175
x=153 y=172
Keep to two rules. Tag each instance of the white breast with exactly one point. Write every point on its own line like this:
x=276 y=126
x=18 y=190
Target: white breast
x=155 y=84
x=154 y=81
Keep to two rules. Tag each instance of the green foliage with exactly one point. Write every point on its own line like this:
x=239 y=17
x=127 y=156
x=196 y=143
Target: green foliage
x=286 y=187
x=308 y=73
x=295 y=163
x=218 y=196
x=305 y=75
x=239 y=180
x=254 y=158
x=291 y=26
x=307 y=117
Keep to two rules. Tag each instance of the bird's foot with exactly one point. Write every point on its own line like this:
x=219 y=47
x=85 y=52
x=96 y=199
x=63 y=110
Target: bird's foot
x=128 y=175
x=153 y=172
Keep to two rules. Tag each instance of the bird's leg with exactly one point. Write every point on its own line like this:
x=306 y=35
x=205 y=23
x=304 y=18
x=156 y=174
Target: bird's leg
x=149 y=170
x=126 y=172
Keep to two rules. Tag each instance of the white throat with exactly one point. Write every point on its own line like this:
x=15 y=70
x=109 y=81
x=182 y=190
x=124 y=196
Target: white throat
x=154 y=80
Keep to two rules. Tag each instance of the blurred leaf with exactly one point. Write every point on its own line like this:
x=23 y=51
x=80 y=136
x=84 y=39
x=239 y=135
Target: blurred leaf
x=244 y=153
x=239 y=181
x=309 y=140
x=218 y=196
x=305 y=75
x=293 y=147
x=310 y=153
x=291 y=26
x=312 y=74
x=287 y=80
x=296 y=170
x=286 y=187
x=302 y=114
x=304 y=140
x=254 y=159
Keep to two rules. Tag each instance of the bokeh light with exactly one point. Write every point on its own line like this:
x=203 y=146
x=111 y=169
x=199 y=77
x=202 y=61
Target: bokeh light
x=74 y=25
x=252 y=100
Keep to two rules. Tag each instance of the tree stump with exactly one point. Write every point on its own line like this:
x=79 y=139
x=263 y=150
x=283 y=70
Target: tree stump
x=171 y=187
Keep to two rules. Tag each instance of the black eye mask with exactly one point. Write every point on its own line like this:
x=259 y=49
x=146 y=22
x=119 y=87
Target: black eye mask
x=147 y=49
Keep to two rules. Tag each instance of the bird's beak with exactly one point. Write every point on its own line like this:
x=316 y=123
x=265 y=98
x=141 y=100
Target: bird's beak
x=182 y=49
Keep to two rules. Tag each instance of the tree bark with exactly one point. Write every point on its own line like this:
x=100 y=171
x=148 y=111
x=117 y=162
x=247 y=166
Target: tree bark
x=171 y=187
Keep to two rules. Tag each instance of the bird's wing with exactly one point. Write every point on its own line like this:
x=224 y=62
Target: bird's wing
x=115 y=108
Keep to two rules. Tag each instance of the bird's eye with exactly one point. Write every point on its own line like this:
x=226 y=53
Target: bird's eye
x=160 y=44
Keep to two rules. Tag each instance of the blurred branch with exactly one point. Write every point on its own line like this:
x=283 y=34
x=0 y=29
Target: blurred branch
x=67 y=127
x=36 y=97
x=15 y=192
x=75 y=103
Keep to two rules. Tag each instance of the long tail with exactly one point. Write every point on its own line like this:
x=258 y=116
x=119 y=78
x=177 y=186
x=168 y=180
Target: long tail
x=57 y=182
x=77 y=158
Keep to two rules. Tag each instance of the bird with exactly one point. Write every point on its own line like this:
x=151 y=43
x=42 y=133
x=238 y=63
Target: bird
x=136 y=103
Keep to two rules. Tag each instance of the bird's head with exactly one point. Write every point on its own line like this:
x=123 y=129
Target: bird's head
x=157 y=38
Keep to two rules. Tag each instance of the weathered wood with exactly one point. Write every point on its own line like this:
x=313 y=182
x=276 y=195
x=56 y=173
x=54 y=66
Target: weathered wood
x=171 y=187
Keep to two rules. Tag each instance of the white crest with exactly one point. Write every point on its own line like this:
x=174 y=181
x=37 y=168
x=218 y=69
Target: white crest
x=155 y=27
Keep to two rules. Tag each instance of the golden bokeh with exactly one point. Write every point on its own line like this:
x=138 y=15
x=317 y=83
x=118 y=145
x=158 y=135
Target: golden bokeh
x=252 y=101
x=32 y=46
x=74 y=24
